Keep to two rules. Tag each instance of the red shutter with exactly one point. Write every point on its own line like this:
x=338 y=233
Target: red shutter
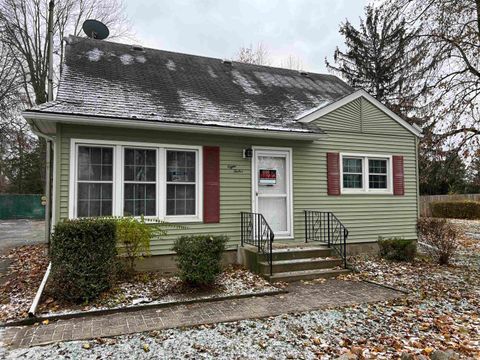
x=211 y=184
x=398 y=175
x=333 y=173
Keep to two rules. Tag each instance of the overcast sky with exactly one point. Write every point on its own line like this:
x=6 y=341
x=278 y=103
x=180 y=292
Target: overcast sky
x=307 y=29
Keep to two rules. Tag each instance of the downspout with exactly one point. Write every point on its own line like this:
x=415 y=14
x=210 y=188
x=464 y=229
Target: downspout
x=48 y=193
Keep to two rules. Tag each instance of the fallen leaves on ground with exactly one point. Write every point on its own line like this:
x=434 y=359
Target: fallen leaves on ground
x=438 y=319
x=26 y=271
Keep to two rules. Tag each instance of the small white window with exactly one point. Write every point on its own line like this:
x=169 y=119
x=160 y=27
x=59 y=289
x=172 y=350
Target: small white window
x=94 y=181
x=140 y=182
x=181 y=182
x=366 y=173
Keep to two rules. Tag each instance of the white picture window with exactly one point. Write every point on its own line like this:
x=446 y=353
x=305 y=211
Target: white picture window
x=366 y=173
x=140 y=182
x=94 y=181
x=181 y=182
x=111 y=178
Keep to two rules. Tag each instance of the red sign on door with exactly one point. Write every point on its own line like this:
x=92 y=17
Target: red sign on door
x=267 y=177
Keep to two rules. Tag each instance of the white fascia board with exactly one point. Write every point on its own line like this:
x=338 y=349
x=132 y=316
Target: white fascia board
x=145 y=124
x=355 y=95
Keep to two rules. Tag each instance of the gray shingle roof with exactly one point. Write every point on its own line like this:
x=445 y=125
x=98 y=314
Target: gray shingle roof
x=107 y=79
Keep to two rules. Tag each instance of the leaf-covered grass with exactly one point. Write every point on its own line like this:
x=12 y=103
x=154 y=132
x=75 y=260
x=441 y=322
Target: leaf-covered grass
x=27 y=267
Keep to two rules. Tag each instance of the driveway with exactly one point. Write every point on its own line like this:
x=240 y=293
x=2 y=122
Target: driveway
x=15 y=233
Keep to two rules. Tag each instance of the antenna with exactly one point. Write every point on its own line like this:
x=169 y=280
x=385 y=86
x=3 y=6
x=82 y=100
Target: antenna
x=95 y=29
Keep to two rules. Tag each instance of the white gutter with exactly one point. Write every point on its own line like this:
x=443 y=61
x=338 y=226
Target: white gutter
x=37 y=132
x=181 y=127
x=38 y=295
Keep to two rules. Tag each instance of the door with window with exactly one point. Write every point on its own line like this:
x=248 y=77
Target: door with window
x=272 y=189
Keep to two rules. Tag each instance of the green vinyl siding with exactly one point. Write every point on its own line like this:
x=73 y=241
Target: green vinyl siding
x=376 y=121
x=360 y=115
x=367 y=216
x=346 y=118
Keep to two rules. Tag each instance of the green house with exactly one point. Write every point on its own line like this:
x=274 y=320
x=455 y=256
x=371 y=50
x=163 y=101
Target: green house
x=261 y=154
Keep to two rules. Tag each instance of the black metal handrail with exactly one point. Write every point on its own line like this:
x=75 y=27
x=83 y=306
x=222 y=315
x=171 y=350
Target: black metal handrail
x=256 y=231
x=325 y=227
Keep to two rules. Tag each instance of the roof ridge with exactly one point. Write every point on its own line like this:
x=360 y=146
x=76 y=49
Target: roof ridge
x=80 y=38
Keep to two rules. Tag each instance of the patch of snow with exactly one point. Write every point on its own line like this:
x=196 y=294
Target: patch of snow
x=211 y=113
x=95 y=54
x=310 y=111
x=211 y=72
x=166 y=290
x=253 y=109
x=171 y=65
x=294 y=106
x=126 y=59
x=306 y=83
x=144 y=300
x=141 y=59
x=248 y=85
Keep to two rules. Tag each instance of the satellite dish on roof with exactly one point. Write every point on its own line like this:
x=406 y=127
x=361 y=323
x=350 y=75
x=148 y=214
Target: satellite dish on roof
x=95 y=29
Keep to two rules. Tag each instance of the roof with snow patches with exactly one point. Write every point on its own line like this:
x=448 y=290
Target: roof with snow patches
x=106 y=79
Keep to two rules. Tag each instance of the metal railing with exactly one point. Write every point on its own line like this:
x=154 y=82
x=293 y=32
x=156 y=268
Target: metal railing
x=325 y=227
x=256 y=231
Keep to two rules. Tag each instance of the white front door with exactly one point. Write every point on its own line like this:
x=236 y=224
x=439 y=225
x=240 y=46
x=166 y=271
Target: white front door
x=272 y=189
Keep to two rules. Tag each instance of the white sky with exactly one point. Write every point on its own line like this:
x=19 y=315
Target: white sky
x=306 y=29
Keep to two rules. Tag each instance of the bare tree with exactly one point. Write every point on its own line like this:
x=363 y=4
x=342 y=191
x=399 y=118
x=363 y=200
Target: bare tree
x=24 y=30
x=258 y=55
x=451 y=70
x=10 y=79
x=292 y=62
x=23 y=74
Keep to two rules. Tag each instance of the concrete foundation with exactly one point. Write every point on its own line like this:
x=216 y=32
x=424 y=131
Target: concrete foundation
x=167 y=265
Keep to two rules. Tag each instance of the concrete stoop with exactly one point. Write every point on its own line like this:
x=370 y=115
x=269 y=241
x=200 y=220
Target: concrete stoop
x=293 y=263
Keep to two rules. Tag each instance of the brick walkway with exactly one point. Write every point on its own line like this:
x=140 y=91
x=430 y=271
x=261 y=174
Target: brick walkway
x=300 y=298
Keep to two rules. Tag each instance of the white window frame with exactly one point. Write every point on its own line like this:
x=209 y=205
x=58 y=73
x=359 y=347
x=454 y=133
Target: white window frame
x=365 y=174
x=180 y=218
x=118 y=177
x=157 y=182
x=77 y=181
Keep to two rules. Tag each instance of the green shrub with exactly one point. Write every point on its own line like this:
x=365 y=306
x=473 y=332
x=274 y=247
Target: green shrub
x=456 y=209
x=134 y=235
x=198 y=258
x=397 y=249
x=439 y=237
x=83 y=256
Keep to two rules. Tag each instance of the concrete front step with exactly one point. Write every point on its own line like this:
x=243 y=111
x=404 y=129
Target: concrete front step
x=279 y=266
x=299 y=253
x=306 y=275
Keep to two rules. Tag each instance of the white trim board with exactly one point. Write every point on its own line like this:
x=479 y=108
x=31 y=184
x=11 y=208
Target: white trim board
x=51 y=119
x=325 y=109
